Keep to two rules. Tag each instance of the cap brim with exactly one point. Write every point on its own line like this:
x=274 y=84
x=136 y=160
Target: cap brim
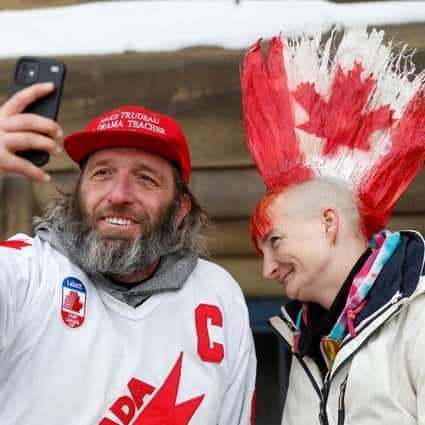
x=82 y=143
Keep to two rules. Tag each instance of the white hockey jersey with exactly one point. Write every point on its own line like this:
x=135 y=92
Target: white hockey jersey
x=71 y=354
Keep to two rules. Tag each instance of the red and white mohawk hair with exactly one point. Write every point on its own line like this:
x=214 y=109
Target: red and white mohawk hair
x=355 y=113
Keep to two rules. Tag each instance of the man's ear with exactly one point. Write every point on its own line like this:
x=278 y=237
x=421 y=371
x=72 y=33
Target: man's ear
x=330 y=220
x=185 y=207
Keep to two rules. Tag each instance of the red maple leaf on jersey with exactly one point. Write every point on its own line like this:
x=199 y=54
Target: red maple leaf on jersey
x=15 y=244
x=162 y=408
x=341 y=120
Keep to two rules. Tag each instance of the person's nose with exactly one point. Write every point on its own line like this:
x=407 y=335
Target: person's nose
x=121 y=191
x=270 y=266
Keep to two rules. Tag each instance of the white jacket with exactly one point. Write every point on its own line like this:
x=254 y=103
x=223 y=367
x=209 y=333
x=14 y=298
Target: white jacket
x=71 y=354
x=378 y=376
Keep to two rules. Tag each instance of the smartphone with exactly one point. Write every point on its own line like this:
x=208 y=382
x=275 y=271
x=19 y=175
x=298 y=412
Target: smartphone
x=31 y=70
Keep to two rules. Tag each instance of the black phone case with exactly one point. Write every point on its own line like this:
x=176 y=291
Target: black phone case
x=48 y=106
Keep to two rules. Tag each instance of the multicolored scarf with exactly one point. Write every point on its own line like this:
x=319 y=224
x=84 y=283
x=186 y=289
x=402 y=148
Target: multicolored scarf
x=383 y=245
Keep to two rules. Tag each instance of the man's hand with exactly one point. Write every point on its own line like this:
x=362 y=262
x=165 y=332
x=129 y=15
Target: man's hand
x=21 y=131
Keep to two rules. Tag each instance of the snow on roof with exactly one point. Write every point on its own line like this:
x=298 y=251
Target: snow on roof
x=142 y=26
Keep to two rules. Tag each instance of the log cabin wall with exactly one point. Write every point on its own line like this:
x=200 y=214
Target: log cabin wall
x=200 y=87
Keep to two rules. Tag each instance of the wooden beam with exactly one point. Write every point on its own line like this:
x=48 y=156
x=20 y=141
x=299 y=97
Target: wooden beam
x=410 y=34
x=229 y=194
x=233 y=193
x=408 y=222
x=229 y=238
x=17 y=205
x=200 y=87
x=247 y=272
x=230 y=209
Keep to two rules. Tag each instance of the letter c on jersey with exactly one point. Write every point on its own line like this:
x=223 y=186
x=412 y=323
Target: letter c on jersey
x=208 y=352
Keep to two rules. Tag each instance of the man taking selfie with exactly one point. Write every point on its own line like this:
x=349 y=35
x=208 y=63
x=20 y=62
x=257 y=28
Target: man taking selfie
x=108 y=315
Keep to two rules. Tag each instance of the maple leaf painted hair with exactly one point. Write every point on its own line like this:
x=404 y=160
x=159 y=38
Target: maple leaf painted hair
x=355 y=113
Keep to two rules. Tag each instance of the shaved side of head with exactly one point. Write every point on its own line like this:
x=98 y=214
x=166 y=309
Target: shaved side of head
x=307 y=200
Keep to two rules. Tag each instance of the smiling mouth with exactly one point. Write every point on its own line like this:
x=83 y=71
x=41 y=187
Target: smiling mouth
x=284 y=279
x=119 y=221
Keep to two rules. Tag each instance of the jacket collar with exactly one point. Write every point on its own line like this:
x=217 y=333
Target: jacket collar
x=400 y=275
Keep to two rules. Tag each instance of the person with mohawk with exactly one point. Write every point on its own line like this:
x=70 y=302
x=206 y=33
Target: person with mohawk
x=337 y=136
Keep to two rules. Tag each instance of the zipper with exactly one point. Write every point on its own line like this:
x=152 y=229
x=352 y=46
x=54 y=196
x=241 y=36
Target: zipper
x=341 y=402
x=323 y=418
x=323 y=393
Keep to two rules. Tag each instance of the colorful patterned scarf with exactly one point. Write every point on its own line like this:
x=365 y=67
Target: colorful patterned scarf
x=383 y=245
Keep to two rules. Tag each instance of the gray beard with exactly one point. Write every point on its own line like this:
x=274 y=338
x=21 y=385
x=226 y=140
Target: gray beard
x=120 y=256
x=111 y=255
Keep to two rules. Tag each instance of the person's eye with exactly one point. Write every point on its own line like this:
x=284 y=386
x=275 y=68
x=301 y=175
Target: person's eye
x=274 y=241
x=147 y=179
x=101 y=172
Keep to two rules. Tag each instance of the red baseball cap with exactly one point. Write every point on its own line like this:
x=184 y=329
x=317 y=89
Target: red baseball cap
x=132 y=127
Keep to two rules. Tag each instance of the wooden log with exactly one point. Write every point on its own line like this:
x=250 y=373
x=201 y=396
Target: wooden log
x=46 y=192
x=229 y=194
x=233 y=193
x=200 y=87
x=17 y=206
x=410 y=34
x=229 y=238
x=247 y=272
x=408 y=222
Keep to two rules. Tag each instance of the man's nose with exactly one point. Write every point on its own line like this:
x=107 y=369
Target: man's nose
x=121 y=191
x=270 y=267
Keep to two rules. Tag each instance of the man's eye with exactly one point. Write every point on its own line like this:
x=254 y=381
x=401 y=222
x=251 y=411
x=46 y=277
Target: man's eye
x=100 y=172
x=146 y=178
